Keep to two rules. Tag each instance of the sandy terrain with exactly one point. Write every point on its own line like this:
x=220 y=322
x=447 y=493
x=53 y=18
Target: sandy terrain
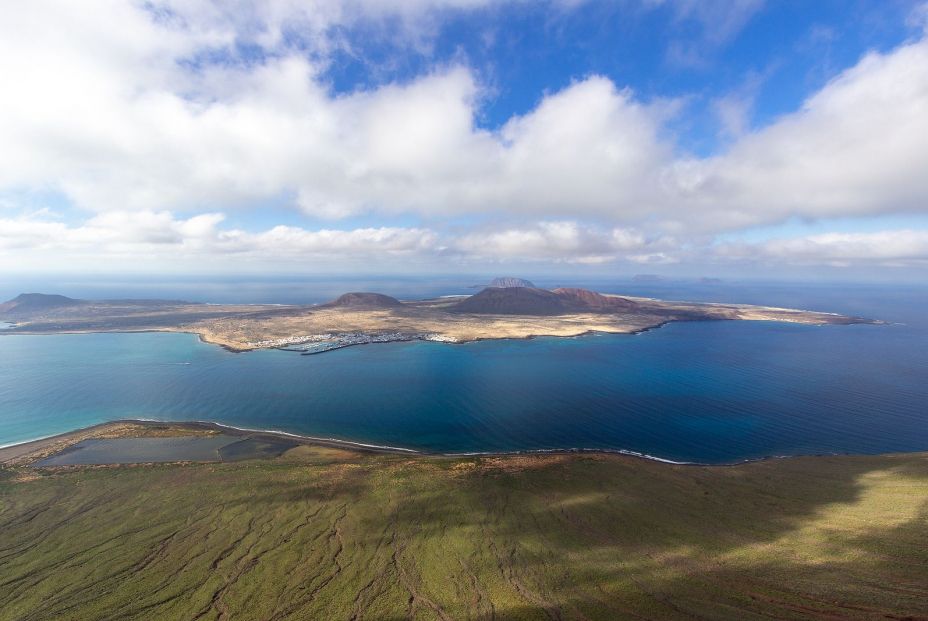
x=431 y=317
x=245 y=327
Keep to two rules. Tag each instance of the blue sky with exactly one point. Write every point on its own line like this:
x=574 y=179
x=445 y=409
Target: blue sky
x=779 y=51
x=672 y=136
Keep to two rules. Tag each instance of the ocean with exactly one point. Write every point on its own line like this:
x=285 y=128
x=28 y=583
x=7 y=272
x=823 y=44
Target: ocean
x=709 y=392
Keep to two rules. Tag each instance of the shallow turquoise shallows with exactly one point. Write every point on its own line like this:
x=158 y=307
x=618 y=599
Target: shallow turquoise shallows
x=705 y=392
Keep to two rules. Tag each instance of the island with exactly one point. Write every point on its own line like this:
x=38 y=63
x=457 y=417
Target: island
x=509 y=308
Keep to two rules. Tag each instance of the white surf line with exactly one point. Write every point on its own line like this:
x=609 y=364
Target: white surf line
x=11 y=444
x=464 y=454
x=300 y=436
x=646 y=455
x=576 y=450
x=397 y=448
x=64 y=433
x=223 y=426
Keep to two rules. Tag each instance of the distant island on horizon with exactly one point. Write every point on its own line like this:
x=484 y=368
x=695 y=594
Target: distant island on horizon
x=508 y=307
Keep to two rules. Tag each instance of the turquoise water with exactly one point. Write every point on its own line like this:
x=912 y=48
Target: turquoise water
x=707 y=392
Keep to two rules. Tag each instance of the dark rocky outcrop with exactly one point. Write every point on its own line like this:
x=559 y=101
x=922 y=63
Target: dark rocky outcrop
x=28 y=303
x=506 y=282
x=511 y=301
x=647 y=278
x=364 y=300
x=584 y=300
x=532 y=301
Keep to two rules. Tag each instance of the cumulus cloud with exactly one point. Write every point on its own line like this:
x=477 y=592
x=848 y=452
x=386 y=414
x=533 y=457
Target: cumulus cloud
x=565 y=241
x=142 y=239
x=897 y=248
x=129 y=240
x=854 y=148
x=129 y=119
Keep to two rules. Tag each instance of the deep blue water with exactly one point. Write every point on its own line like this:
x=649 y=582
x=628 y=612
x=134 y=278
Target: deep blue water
x=707 y=392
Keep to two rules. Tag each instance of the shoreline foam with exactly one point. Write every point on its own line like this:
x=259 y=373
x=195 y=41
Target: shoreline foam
x=393 y=450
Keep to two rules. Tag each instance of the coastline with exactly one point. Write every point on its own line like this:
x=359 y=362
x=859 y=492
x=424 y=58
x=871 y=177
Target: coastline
x=460 y=341
x=750 y=541
x=19 y=450
x=201 y=337
x=321 y=328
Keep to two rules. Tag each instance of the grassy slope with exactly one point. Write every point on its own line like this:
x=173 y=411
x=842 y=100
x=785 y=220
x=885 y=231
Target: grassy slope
x=324 y=534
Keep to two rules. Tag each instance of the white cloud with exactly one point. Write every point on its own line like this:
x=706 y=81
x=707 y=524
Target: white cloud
x=898 y=248
x=142 y=133
x=918 y=16
x=717 y=23
x=736 y=108
x=548 y=241
x=143 y=239
x=117 y=115
x=139 y=239
x=855 y=148
x=563 y=241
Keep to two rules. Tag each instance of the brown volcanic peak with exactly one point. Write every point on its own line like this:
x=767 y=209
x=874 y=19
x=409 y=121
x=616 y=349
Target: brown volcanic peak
x=37 y=303
x=511 y=301
x=531 y=301
x=358 y=299
x=590 y=301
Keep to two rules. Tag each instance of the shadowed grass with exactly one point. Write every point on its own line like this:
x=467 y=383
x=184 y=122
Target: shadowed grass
x=327 y=534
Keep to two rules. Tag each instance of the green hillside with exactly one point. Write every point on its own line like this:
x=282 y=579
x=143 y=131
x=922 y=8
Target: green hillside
x=327 y=534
